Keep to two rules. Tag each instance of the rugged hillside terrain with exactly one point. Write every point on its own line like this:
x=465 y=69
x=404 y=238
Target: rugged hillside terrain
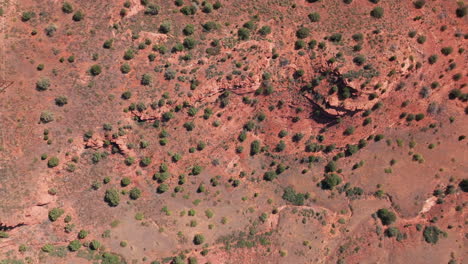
x=306 y=131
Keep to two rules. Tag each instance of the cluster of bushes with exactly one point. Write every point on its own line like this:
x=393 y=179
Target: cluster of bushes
x=330 y=181
x=294 y=198
x=386 y=217
x=112 y=197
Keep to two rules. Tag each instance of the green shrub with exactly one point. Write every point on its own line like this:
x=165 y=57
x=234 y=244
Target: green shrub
x=461 y=11
x=207 y=7
x=67 y=8
x=74 y=245
x=302 y=33
x=419 y=4
x=112 y=197
x=55 y=213
x=269 y=175
x=359 y=60
x=146 y=161
x=198 y=239
x=432 y=59
x=349 y=131
x=53 y=162
x=125 y=182
x=243 y=33
x=82 y=234
x=431 y=234
x=314 y=17
x=189 y=43
x=210 y=26
x=446 y=50
x=294 y=198
x=463 y=185
x=146 y=79
x=377 y=12
x=188 y=10
x=46 y=117
x=254 y=148
x=95 y=70
x=78 y=16
x=26 y=16
x=330 y=181
x=47 y=248
x=196 y=170
x=50 y=30
x=94 y=244
x=265 y=30
x=152 y=9
x=129 y=54
x=421 y=39
x=125 y=68
x=387 y=217
x=392 y=232
x=43 y=84
x=188 y=30
x=165 y=27
x=162 y=188
x=61 y=101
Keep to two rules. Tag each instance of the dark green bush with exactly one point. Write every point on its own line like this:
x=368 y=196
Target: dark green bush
x=152 y=9
x=463 y=185
x=95 y=70
x=359 y=60
x=254 y=147
x=265 y=30
x=210 y=26
x=314 y=17
x=146 y=161
x=43 y=84
x=387 y=217
x=188 y=10
x=112 y=197
x=94 y=244
x=446 y=50
x=162 y=188
x=294 y=198
x=53 y=162
x=67 y=8
x=461 y=11
x=188 y=30
x=146 y=79
x=431 y=234
x=198 y=239
x=419 y=4
x=377 y=12
x=78 y=16
x=26 y=16
x=392 y=232
x=55 y=213
x=61 y=101
x=330 y=181
x=302 y=33
x=432 y=59
x=165 y=27
x=189 y=43
x=243 y=33
x=74 y=245
x=269 y=175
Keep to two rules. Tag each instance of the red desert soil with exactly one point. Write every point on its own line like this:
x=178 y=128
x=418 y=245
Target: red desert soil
x=190 y=131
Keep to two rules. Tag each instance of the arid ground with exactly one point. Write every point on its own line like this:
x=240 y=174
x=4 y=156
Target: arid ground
x=264 y=131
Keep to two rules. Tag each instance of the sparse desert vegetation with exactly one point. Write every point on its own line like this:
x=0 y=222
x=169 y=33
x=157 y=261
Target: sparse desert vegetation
x=312 y=131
